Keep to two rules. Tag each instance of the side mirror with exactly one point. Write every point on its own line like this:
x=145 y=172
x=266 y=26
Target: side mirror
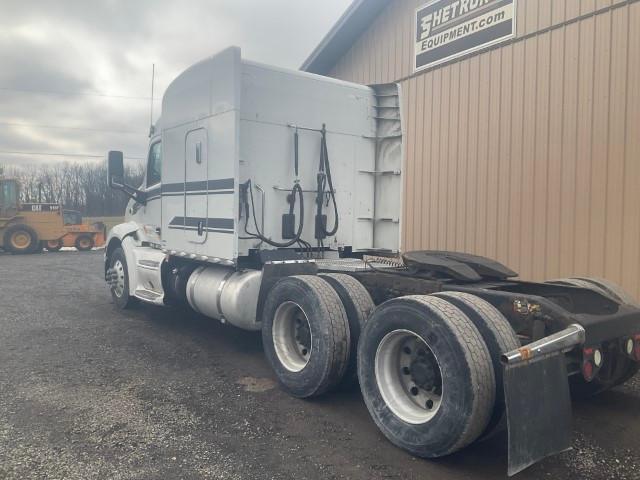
x=115 y=169
x=115 y=177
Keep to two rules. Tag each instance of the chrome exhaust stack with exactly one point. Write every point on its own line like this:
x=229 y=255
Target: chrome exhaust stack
x=560 y=342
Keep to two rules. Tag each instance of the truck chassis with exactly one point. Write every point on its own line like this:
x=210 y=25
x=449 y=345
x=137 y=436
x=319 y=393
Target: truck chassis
x=447 y=347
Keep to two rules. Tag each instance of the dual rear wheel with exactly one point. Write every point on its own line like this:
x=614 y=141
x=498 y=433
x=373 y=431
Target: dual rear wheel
x=428 y=366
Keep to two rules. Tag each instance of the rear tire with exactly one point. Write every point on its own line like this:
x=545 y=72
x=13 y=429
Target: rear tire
x=499 y=338
x=394 y=396
x=120 y=292
x=20 y=239
x=358 y=305
x=305 y=334
x=84 y=243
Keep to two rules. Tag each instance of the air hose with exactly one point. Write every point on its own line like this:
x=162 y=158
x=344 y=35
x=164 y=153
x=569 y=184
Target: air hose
x=296 y=190
x=324 y=179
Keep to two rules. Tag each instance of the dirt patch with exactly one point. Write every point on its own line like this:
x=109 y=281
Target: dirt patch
x=256 y=385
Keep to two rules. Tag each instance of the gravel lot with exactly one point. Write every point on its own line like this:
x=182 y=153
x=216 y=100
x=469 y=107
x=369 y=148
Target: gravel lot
x=89 y=392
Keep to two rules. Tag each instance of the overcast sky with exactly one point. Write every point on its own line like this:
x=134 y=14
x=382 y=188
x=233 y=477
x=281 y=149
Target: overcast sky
x=59 y=58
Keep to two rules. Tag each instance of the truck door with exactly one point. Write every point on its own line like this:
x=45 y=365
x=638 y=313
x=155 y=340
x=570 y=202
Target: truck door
x=196 y=186
x=150 y=213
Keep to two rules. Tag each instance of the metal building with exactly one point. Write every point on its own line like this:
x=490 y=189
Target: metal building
x=522 y=133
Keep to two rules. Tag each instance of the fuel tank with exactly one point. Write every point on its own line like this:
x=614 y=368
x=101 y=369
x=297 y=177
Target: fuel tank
x=226 y=295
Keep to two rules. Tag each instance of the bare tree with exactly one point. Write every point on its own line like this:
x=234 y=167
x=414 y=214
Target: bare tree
x=76 y=186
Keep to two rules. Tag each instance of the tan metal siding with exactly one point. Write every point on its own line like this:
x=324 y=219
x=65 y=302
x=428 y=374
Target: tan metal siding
x=529 y=152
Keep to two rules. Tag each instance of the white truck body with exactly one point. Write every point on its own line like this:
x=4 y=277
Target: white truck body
x=226 y=121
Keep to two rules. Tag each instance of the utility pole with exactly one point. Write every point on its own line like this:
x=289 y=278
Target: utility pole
x=153 y=77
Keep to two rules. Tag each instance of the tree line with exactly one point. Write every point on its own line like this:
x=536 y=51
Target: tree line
x=76 y=186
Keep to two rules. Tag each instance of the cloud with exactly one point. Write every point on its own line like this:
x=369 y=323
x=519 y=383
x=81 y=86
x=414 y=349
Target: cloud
x=56 y=56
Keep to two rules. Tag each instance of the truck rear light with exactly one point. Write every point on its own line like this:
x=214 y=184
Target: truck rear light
x=629 y=346
x=597 y=358
x=636 y=347
x=592 y=360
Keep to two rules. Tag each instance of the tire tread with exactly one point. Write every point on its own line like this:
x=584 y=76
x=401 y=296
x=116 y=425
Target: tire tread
x=478 y=360
x=499 y=337
x=361 y=301
x=339 y=329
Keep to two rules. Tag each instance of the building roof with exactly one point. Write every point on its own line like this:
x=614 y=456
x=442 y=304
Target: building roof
x=344 y=33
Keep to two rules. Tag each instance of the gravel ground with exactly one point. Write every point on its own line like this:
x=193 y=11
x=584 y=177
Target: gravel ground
x=89 y=392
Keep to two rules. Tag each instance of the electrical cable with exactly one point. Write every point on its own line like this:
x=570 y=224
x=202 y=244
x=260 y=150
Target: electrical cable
x=296 y=190
x=324 y=178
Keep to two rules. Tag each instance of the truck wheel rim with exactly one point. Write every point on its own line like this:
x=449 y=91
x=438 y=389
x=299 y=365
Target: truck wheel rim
x=292 y=336
x=409 y=376
x=84 y=242
x=53 y=243
x=118 y=288
x=20 y=240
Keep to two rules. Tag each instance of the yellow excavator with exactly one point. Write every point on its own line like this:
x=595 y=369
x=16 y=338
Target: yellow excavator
x=28 y=227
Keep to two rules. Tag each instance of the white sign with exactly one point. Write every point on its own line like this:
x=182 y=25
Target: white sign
x=446 y=29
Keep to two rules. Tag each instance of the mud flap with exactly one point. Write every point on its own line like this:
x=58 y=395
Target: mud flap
x=538 y=410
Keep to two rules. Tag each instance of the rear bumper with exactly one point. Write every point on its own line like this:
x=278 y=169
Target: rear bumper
x=603 y=328
x=536 y=386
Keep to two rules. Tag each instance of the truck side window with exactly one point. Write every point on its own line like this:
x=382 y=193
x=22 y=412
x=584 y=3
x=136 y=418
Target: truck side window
x=154 y=167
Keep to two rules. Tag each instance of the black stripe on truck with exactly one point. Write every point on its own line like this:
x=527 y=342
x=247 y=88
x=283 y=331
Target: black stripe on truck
x=220 y=225
x=221 y=186
x=204 y=185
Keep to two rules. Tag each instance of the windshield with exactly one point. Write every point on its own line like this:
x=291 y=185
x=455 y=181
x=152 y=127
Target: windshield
x=8 y=194
x=72 y=217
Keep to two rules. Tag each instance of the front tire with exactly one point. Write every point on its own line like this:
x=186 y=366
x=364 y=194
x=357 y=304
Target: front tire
x=425 y=375
x=305 y=333
x=21 y=239
x=120 y=286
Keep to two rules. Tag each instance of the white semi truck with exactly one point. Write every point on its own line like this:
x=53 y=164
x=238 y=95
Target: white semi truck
x=272 y=202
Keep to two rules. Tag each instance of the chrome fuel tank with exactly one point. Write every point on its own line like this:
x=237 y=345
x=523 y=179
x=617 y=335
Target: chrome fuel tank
x=225 y=294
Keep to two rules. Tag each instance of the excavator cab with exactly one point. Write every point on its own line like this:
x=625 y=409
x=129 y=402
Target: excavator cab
x=72 y=217
x=9 y=193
